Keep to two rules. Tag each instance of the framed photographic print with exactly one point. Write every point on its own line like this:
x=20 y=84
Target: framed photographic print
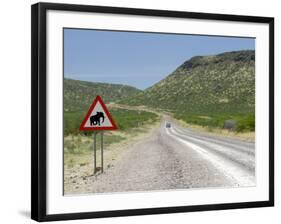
x=139 y=111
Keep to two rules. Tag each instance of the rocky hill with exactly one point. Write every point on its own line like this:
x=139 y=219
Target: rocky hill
x=217 y=84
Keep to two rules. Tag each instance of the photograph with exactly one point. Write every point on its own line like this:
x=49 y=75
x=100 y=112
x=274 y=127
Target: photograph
x=152 y=111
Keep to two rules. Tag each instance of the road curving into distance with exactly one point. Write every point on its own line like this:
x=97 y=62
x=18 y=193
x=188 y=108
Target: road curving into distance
x=179 y=158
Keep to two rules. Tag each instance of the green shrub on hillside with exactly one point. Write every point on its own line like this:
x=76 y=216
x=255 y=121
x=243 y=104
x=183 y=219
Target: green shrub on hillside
x=78 y=95
x=220 y=86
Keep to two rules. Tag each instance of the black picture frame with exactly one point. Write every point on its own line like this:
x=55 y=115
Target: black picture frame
x=39 y=123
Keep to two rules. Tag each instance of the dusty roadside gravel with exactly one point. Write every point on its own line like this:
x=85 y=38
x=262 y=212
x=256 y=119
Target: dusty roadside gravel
x=77 y=178
x=162 y=161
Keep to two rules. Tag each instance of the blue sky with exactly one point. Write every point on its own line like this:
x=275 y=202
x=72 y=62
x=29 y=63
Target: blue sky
x=135 y=58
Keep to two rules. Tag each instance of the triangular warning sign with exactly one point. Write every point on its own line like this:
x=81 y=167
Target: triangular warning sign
x=98 y=118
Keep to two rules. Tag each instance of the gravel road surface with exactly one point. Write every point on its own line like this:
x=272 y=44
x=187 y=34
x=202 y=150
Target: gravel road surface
x=178 y=158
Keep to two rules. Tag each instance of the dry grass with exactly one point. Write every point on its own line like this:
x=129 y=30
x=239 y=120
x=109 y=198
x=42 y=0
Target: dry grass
x=80 y=165
x=245 y=136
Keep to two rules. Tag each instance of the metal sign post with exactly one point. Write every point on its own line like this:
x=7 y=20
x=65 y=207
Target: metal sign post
x=98 y=119
x=95 y=152
x=101 y=151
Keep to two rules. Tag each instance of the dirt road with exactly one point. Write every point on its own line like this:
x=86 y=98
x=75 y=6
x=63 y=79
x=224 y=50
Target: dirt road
x=178 y=158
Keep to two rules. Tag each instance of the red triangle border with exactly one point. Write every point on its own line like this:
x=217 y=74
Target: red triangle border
x=82 y=126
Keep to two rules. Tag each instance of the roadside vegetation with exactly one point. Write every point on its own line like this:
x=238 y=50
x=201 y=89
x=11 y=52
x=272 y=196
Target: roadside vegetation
x=237 y=123
x=78 y=149
x=78 y=145
x=124 y=119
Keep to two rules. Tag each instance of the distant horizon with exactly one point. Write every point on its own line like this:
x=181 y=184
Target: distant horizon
x=137 y=59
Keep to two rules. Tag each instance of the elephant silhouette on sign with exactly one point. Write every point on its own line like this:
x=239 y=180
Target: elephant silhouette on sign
x=96 y=119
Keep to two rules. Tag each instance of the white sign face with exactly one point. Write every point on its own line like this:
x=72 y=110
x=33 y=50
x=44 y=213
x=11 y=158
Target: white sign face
x=98 y=117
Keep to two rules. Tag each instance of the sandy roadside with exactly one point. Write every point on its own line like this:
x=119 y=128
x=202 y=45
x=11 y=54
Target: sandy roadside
x=77 y=176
